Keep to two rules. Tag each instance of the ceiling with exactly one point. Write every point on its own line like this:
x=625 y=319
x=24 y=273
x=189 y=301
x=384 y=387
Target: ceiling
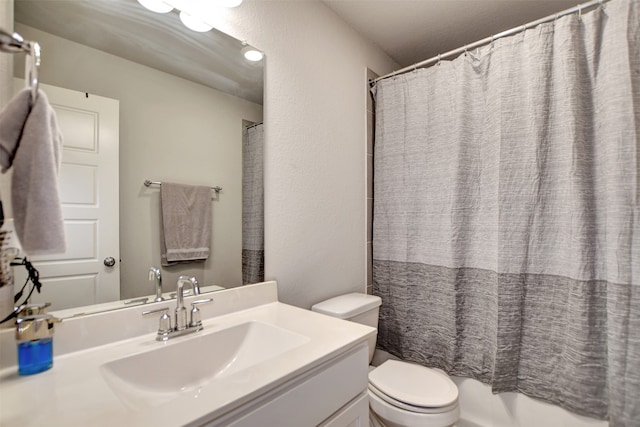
x=126 y=29
x=411 y=31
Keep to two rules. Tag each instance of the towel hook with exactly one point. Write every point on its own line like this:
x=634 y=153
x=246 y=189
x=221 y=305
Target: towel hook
x=32 y=64
x=13 y=43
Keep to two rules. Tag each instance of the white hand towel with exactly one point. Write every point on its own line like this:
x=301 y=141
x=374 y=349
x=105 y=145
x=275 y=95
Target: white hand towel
x=185 y=234
x=31 y=141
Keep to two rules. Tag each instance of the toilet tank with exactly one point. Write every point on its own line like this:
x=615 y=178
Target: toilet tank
x=356 y=307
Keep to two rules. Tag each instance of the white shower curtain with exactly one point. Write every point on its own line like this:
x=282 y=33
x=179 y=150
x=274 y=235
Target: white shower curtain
x=507 y=213
x=253 y=204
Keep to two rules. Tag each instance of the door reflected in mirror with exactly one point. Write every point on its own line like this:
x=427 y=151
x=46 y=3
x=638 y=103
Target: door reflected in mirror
x=184 y=101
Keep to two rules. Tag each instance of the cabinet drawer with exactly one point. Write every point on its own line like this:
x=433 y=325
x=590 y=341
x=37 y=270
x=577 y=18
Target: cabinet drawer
x=309 y=399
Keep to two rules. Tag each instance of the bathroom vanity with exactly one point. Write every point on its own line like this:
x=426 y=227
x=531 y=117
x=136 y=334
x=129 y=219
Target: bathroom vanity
x=257 y=362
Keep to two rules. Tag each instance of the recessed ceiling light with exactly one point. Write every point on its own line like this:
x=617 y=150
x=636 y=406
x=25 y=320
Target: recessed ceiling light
x=194 y=24
x=252 y=54
x=156 y=6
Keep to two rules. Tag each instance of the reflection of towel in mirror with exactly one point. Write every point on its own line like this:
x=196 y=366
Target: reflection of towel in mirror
x=31 y=142
x=185 y=229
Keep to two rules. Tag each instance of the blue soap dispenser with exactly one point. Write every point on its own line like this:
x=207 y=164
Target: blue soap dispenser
x=34 y=334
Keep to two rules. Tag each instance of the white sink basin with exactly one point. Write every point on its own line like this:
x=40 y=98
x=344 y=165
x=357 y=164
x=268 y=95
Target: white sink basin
x=185 y=366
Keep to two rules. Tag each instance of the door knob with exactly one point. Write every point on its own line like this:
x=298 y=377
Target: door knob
x=109 y=261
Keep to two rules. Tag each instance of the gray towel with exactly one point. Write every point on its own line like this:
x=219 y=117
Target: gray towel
x=185 y=232
x=31 y=142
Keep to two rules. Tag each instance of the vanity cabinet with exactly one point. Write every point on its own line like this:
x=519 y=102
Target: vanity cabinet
x=354 y=414
x=256 y=363
x=330 y=395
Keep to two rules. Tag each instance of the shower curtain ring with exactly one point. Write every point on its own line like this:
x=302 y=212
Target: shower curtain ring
x=580 y=12
x=439 y=56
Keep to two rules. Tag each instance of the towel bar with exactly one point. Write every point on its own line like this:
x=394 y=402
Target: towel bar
x=147 y=183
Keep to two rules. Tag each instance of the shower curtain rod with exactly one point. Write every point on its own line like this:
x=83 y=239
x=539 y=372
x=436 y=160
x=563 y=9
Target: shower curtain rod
x=579 y=8
x=253 y=125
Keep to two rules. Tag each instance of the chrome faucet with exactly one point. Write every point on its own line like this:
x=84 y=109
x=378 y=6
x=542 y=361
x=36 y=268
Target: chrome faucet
x=154 y=274
x=166 y=331
x=181 y=311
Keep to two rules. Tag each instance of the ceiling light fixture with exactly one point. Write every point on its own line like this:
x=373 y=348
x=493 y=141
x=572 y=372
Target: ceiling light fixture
x=193 y=23
x=189 y=18
x=157 y=6
x=252 y=54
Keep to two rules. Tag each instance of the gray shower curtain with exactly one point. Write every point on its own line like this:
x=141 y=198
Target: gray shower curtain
x=253 y=204
x=507 y=217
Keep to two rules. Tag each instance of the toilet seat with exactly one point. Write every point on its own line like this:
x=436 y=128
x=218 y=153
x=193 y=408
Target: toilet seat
x=413 y=387
x=408 y=407
x=389 y=415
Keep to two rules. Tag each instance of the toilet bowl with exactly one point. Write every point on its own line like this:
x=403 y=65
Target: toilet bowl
x=401 y=394
x=405 y=394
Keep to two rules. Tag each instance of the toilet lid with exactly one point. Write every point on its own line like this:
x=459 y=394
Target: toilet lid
x=414 y=384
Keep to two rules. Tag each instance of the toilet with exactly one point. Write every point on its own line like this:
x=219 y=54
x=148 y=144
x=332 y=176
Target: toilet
x=401 y=394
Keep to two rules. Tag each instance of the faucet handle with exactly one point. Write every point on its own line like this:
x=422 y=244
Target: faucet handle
x=165 y=320
x=195 y=312
x=156 y=276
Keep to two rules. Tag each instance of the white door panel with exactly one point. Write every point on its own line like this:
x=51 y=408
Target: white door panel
x=90 y=203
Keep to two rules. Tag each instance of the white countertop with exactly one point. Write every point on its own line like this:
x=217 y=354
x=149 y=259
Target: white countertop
x=74 y=392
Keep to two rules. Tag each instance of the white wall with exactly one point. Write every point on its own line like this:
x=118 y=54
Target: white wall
x=170 y=130
x=315 y=136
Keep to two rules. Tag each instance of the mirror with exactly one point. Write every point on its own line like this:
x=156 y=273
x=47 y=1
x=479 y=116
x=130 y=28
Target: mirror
x=184 y=101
